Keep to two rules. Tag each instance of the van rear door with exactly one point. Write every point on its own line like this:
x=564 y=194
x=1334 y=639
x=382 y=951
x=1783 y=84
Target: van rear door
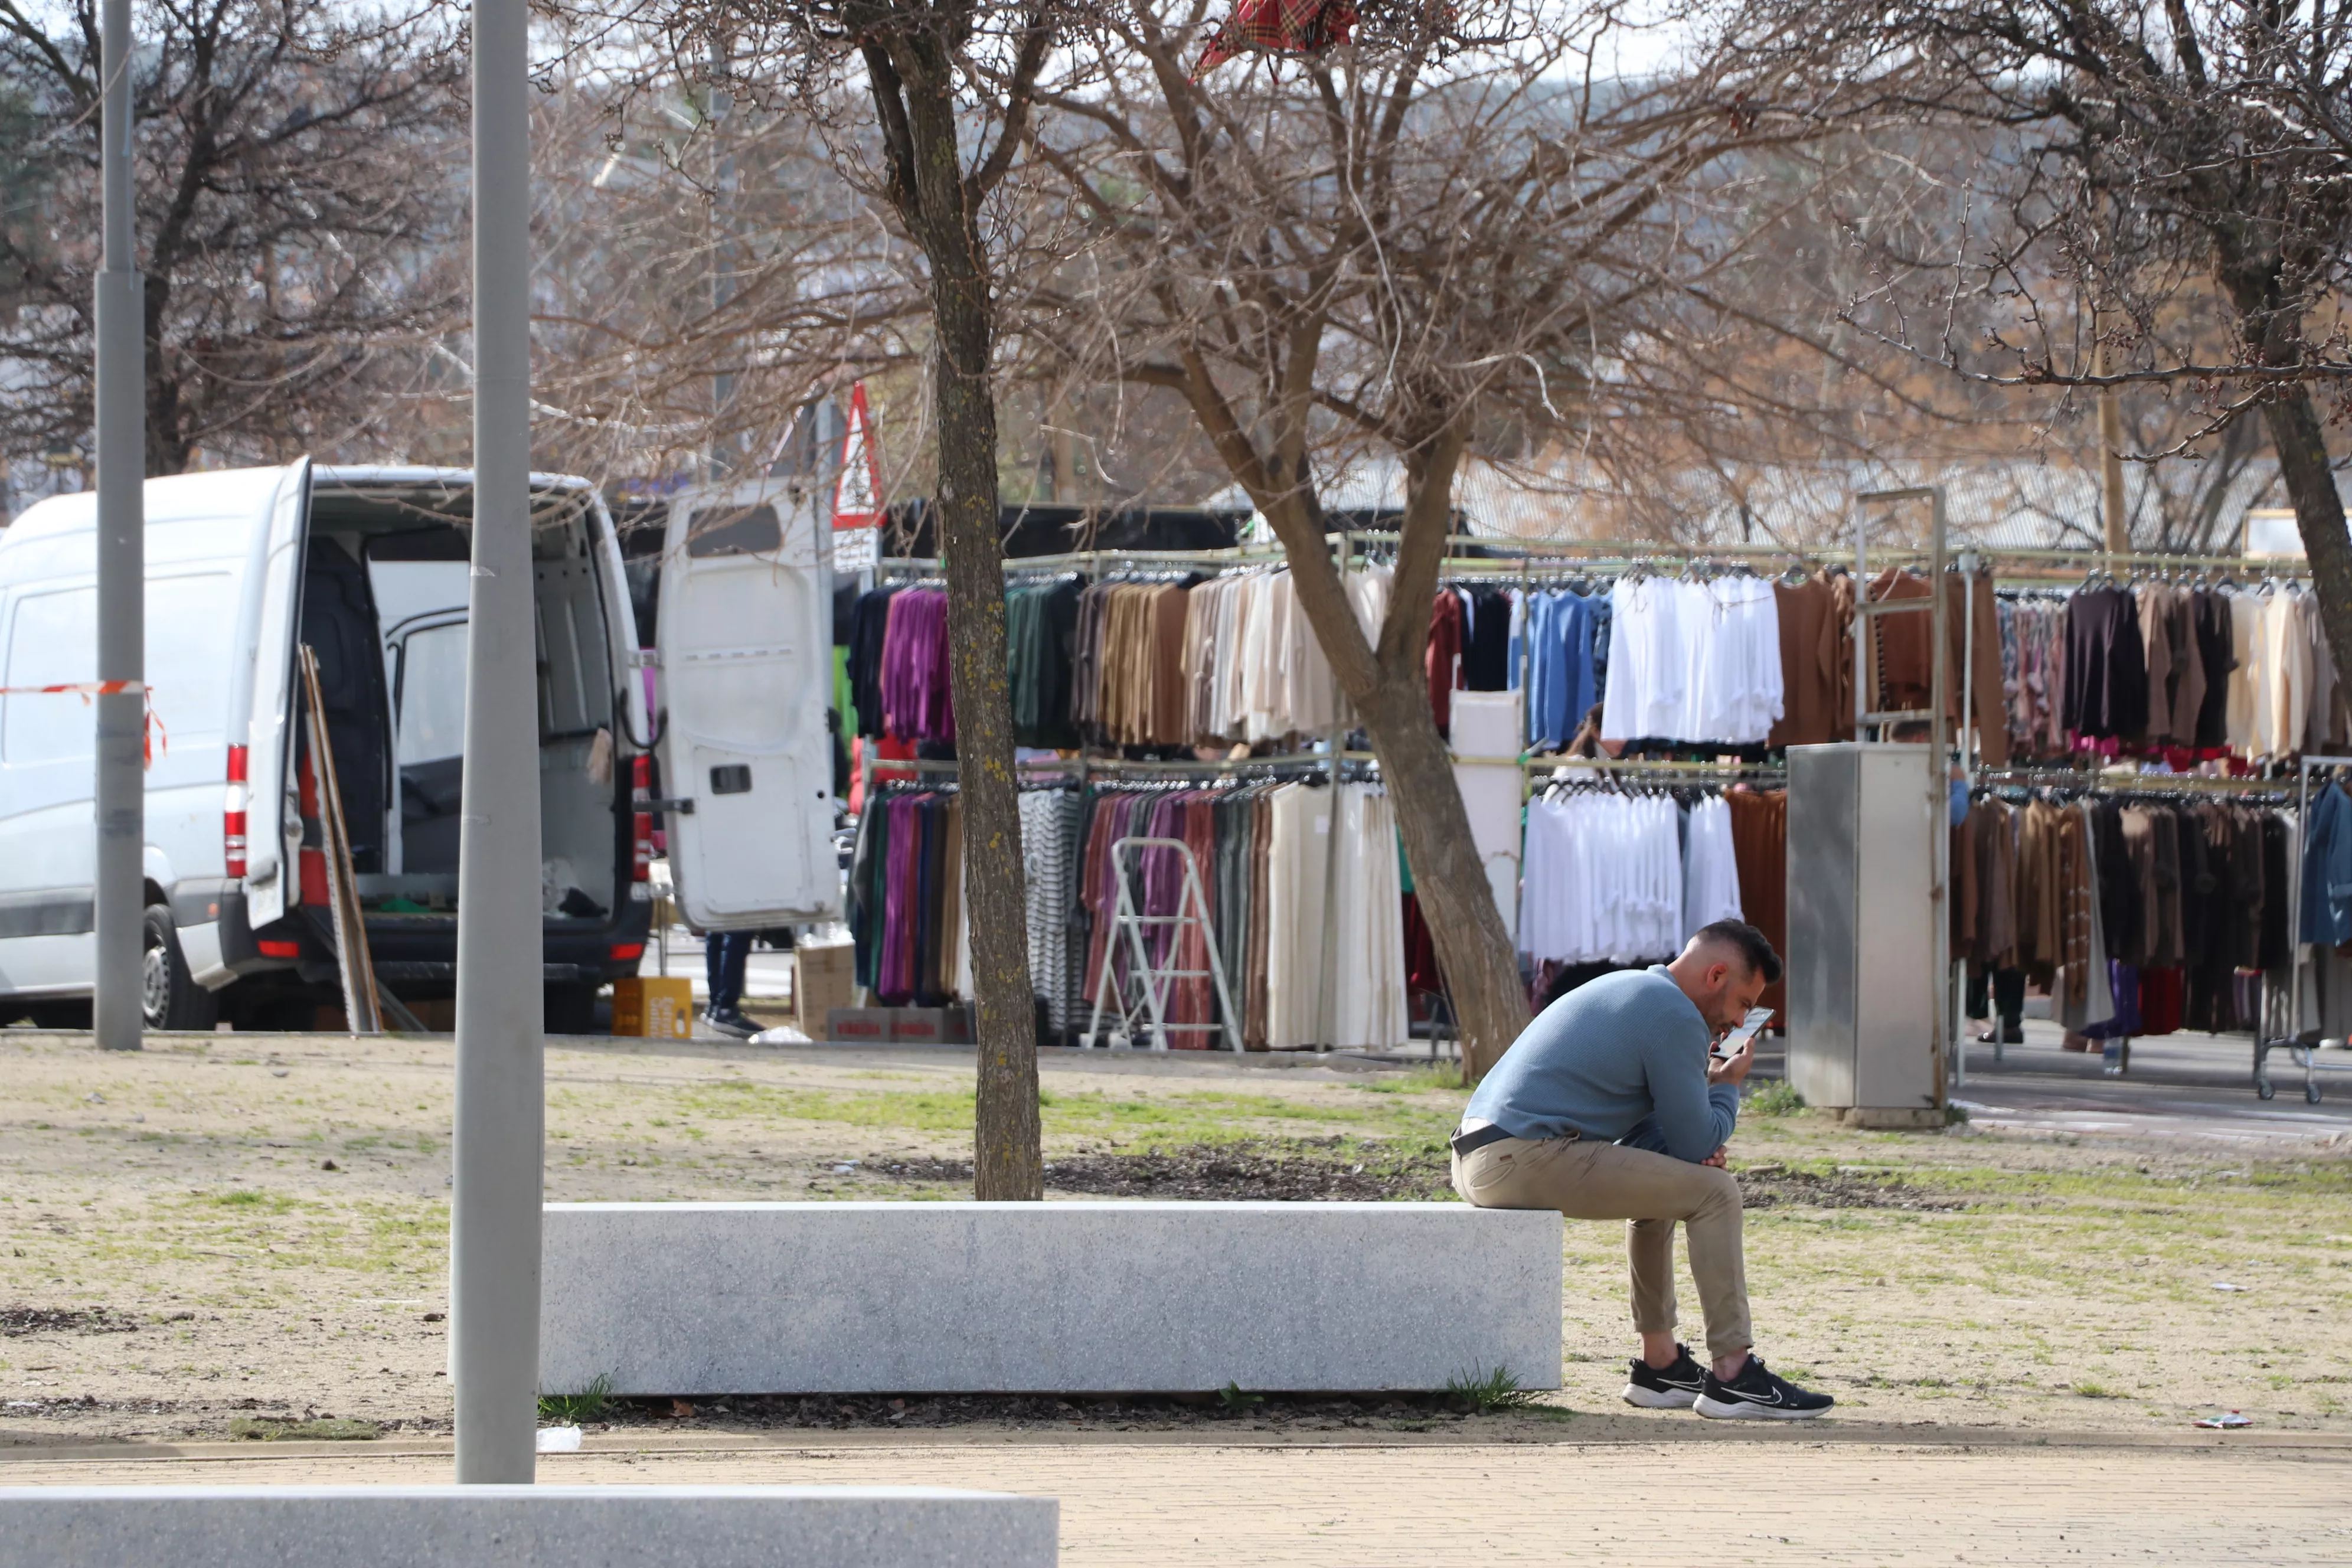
x=743 y=642
x=274 y=605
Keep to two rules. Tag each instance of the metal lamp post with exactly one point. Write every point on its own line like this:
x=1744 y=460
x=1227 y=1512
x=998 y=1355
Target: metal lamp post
x=120 y=907
x=494 y=1231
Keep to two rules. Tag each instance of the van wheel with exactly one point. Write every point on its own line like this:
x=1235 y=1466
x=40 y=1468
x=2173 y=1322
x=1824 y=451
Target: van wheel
x=169 y=995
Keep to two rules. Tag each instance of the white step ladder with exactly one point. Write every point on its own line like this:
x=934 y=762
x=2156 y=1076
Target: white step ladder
x=1142 y=1003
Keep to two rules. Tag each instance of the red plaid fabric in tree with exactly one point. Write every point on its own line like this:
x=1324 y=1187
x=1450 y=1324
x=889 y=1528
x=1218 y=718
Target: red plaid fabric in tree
x=1280 y=27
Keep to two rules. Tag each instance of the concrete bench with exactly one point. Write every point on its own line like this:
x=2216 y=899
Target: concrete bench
x=541 y=1527
x=1063 y=1298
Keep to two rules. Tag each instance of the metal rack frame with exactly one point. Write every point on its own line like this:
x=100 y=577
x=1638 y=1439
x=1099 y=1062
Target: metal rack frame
x=2298 y=1051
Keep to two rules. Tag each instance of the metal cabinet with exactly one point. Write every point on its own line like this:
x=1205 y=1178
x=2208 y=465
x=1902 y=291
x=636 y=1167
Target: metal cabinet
x=1865 y=963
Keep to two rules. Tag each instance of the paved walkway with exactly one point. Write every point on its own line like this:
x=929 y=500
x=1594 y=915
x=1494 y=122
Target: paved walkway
x=2186 y=1084
x=1775 y=1497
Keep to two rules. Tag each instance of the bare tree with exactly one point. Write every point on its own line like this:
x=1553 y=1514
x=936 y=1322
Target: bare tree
x=2155 y=161
x=949 y=87
x=702 y=271
x=297 y=218
x=1417 y=245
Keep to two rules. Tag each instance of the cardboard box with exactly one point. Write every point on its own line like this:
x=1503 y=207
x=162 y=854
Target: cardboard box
x=824 y=977
x=654 y=1007
x=931 y=1026
x=859 y=1025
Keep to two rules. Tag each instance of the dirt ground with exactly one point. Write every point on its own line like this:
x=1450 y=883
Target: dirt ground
x=254 y=1226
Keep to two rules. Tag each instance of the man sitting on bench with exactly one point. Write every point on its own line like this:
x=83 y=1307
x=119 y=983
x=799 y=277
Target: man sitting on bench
x=1612 y=1106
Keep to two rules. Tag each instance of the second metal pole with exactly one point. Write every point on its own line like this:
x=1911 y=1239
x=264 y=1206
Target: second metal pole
x=119 y=918
x=494 y=1225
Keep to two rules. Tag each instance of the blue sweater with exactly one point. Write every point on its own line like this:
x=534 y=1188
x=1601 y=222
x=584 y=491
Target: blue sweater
x=1610 y=1055
x=2328 y=868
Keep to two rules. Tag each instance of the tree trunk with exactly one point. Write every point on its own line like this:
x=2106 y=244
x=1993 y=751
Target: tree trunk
x=1482 y=972
x=2272 y=325
x=930 y=190
x=1390 y=687
x=2301 y=448
x=168 y=448
x=1007 y=1161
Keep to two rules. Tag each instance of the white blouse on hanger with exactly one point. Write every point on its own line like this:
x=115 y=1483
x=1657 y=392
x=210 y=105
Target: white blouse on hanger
x=1602 y=879
x=1710 y=866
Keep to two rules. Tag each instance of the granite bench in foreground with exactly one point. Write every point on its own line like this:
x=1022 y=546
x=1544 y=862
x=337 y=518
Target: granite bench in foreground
x=512 y=1527
x=1061 y=1297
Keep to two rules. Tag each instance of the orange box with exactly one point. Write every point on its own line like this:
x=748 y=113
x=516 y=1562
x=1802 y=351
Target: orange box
x=654 y=1007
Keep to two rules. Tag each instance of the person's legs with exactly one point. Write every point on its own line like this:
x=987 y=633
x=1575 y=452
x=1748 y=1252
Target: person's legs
x=725 y=954
x=2008 y=1004
x=1650 y=1248
x=1604 y=1180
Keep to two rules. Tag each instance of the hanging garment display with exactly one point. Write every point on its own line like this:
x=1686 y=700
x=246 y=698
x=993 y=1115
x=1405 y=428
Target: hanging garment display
x=1603 y=878
x=1051 y=822
x=1041 y=636
x=1695 y=662
x=1271 y=857
x=1170 y=659
x=1486 y=661
x=1366 y=960
x=1710 y=866
x=1972 y=664
x=2032 y=629
x=869 y=623
x=1559 y=629
x=1760 y=840
x=1442 y=655
x=906 y=898
x=2138 y=904
x=2191 y=672
x=2107 y=668
x=1816 y=618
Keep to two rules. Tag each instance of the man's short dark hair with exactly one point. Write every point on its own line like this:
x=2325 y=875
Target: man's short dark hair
x=1751 y=943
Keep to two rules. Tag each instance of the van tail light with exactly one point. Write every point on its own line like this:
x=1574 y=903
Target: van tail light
x=276 y=947
x=641 y=781
x=311 y=861
x=233 y=814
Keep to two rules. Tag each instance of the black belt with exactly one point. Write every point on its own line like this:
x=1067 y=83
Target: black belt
x=1464 y=1142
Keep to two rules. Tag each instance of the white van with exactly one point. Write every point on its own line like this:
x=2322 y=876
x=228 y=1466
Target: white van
x=369 y=567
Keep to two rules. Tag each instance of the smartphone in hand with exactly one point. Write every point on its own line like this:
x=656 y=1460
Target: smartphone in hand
x=1749 y=1027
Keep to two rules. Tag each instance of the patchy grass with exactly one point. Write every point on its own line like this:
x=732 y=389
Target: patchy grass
x=1148 y=1119
x=1487 y=1393
x=1952 y=1276
x=570 y=1409
x=1443 y=1078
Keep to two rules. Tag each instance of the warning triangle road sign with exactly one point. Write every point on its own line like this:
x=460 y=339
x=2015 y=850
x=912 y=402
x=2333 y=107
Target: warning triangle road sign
x=857 y=493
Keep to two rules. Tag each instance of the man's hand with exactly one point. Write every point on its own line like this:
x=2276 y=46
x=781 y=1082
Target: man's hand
x=1732 y=1069
x=1716 y=1159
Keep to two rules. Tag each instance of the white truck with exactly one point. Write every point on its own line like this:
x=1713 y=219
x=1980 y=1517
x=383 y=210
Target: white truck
x=368 y=567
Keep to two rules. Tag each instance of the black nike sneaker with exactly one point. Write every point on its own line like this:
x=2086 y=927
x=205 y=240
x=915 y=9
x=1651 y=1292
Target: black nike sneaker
x=1756 y=1395
x=1674 y=1387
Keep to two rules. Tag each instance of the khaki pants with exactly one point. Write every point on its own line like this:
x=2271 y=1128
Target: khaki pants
x=1601 y=1180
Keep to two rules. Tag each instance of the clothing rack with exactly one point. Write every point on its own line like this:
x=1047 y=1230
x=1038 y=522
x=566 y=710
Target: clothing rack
x=1353 y=766
x=1598 y=558
x=2301 y=1055
x=1512 y=556
x=2088 y=782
